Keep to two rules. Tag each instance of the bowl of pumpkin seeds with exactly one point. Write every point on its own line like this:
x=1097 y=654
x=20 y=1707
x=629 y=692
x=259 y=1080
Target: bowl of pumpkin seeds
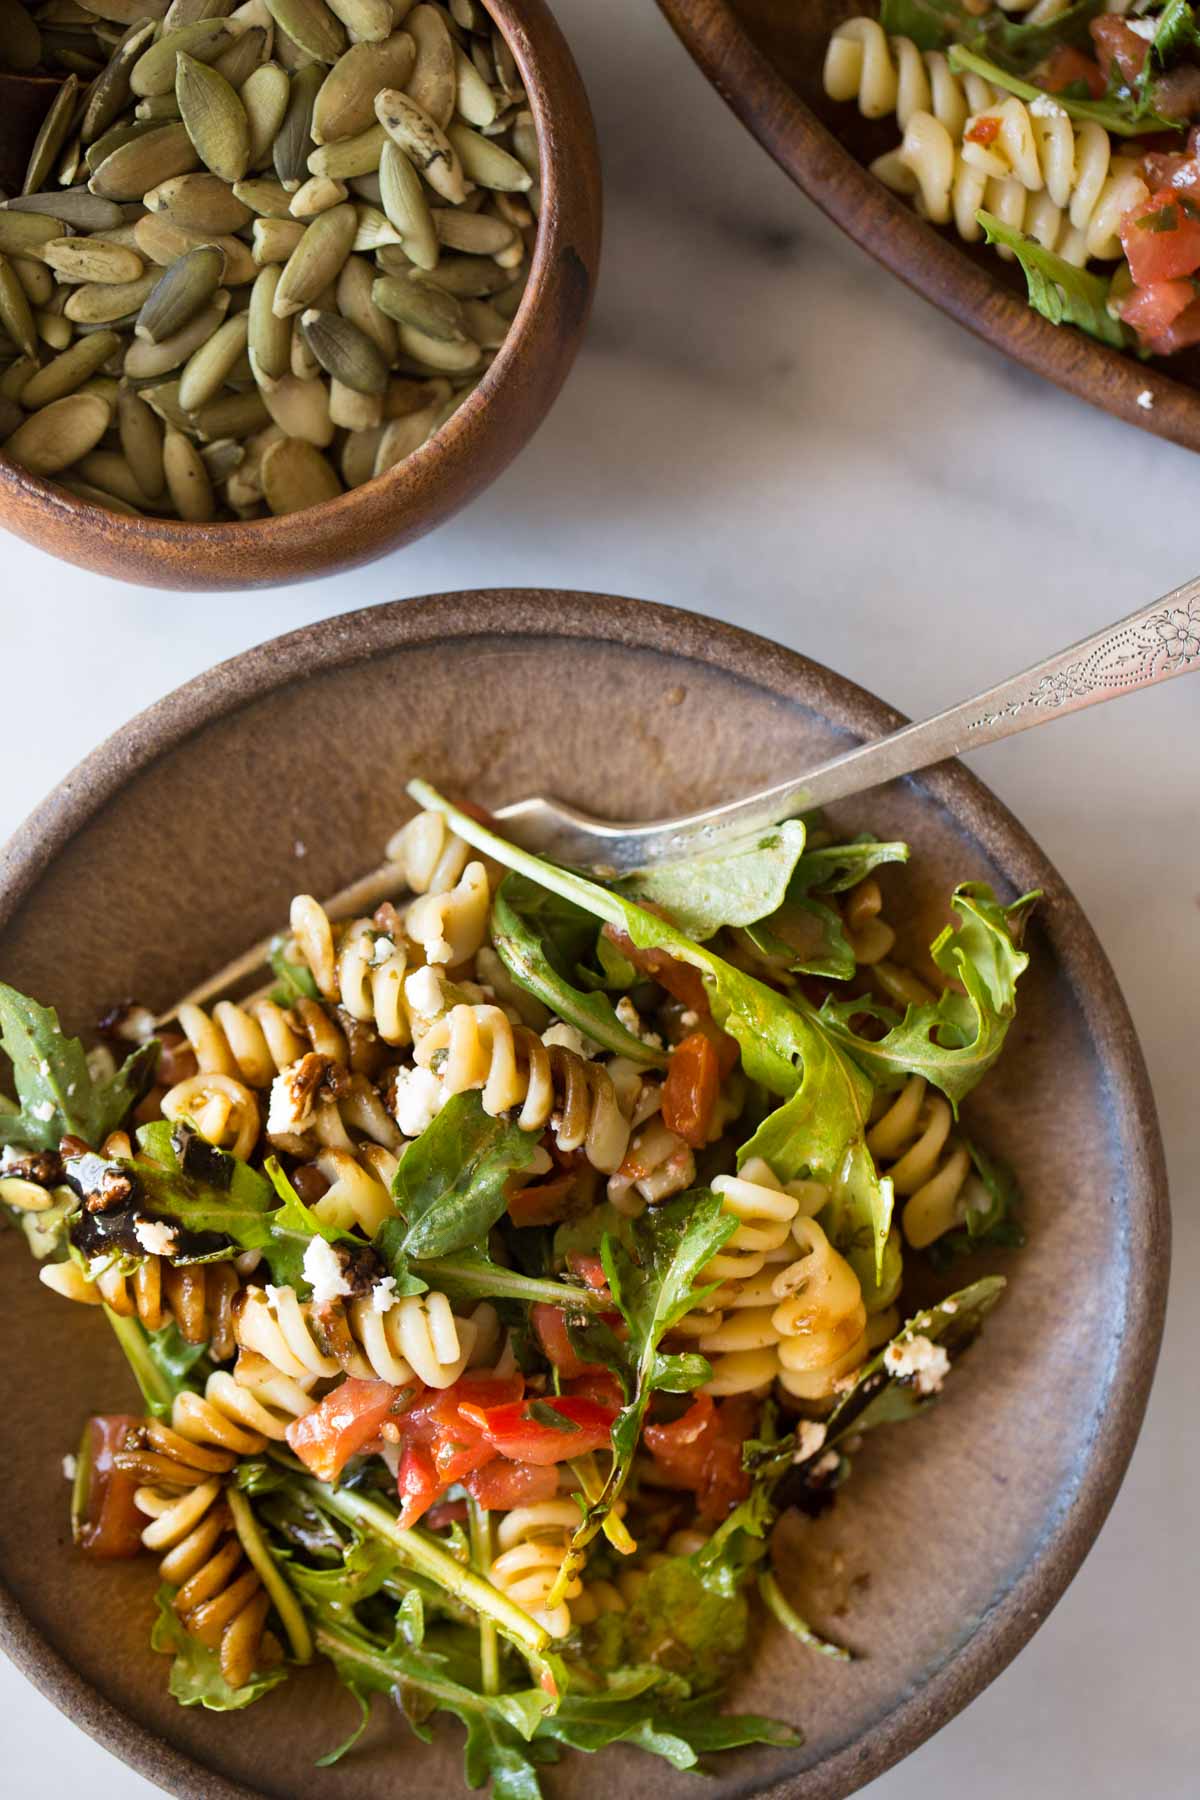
x=285 y=283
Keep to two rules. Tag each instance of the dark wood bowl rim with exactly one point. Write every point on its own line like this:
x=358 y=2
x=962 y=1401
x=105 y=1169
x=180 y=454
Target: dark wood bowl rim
x=354 y=638
x=933 y=265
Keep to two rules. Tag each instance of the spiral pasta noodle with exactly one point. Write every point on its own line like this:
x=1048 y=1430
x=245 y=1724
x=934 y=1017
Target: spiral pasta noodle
x=532 y=1541
x=198 y=1297
x=868 y=934
x=914 y=1143
x=892 y=75
x=416 y=1336
x=359 y=1186
x=819 y=1316
x=428 y=854
x=478 y=1047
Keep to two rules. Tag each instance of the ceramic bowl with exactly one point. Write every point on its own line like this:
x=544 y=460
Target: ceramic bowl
x=765 y=58
x=460 y=461
x=176 y=844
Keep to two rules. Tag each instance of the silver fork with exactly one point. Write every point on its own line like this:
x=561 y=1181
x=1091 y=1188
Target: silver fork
x=1161 y=641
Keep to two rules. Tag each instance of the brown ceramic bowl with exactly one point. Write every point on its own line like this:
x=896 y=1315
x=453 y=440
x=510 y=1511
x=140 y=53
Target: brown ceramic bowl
x=173 y=847
x=464 y=457
x=765 y=58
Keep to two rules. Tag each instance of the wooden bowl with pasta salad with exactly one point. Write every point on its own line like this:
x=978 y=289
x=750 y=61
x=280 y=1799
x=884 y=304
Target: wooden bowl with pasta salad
x=225 y=800
x=766 y=59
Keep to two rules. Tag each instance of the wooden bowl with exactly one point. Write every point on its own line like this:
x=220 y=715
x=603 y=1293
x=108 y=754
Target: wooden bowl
x=174 y=846
x=465 y=456
x=765 y=57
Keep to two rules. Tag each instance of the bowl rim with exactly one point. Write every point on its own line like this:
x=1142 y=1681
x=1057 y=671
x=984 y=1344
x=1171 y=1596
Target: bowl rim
x=442 y=620
x=567 y=244
x=933 y=265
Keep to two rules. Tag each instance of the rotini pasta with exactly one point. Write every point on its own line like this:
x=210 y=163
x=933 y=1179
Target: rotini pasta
x=820 y=1317
x=914 y=1142
x=533 y=1540
x=417 y=1336
x=198 y=1297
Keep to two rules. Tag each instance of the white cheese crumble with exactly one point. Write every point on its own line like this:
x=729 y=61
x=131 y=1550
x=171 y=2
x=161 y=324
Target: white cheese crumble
x=689 y=1020
x=419 y=1097
x=384 y=1295
x=810 y=1435
x=566 y=1035
x=1046 y=108
x=423 y=991
x=9 y=1158
x=627 y=1012
x=949 y=1306
x=44 y=1067
x=920 y=1359
x=288 y=1111
x=1145 y=400
x=155 y=1238
x=1145 y=28
x=70 y=1468
x=323 y=1272
x=382 y=948
x=44 y=1110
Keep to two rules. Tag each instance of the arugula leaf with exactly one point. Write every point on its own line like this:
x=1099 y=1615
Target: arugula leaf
x=531 y=959
x=295 y=979
x=993 y=1201
x=1057 y=289
x=451 y=1182
x=164 y=1364
x=290 y=1230
x=472 y=1275
x=931 y=24
x=1177 y=31
x=681 y=1735
x=733 y=887
x=58 y=1095
x=805 y=934
x=180 y=1147
x=196 y=1678
x=1124 y=116
x=1021 y=45
x=955 y=1040
x=781 y=1607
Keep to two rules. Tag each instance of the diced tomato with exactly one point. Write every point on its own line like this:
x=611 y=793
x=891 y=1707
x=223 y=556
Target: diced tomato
x=600 y=1385
x=343 y=1424
x=1171 y=169
x=108 y=1524
x=550 y=1323
x=679 y=978
x=690 y=1091
x=543 y=1202
x=444 y=1421
x=1117 y=44
x=985 y=130
x=505 y=1484
x=703 y=1451
x=516 y=1431
x=588 y=1268
x=1161 y=238
x=1150 y=310
x=1181 y=334
x=445 y=1513
x=417 y=1483
x=1065 y=66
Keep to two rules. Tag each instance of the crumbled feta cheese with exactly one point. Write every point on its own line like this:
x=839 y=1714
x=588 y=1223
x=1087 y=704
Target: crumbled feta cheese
x=689 y=1020
x=627 y=1012
x=44 y=1110
x=566 y=1035
x=323 y=1272
x=299 y=848
x=70 y=1468
x=423 y=992
x=810 y=1435
x=1046 y=108
x=382 y=948
x=9 y=1158
x=384 y=1295
x=920 y=1360
x=1145 y=28
x=289 y=1109
x=418 y=1098
x=827 y=1464
x=1145 y=400
x=155 y=1238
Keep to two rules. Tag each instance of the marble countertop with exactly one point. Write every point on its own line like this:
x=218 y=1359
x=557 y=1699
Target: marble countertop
x=767 y=428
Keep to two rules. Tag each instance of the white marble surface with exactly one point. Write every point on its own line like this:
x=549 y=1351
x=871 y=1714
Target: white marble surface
x=765 y=427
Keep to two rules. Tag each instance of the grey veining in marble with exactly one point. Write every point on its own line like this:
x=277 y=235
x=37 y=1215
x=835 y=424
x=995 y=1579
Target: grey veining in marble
x=767 y=428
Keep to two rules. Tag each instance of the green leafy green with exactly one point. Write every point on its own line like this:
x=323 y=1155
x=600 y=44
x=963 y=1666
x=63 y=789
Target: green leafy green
x=451 y=1184
x=295 y=979
x=196 y=1678
x=519 y=932
x=992 y=1200
x=931 y=24
x=180 y=1147
x=732 y=887
x=164 y=1364
x=472 y=1275
x=57 y=1093
x=781 y=1607
x=1125 y=114
x=1057 y=289
x=1020 y=46
x=1176 y=32
x=955 y=1040
x=290 y=1230
x=805 y=935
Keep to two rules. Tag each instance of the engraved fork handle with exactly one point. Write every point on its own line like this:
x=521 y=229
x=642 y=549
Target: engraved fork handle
x=1160 y=641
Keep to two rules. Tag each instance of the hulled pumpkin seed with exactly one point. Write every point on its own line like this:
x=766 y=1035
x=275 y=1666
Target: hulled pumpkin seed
x=53 y=330
x=274 y=240
x=295 y=475
x=94 y=496
x=264 y=97
x=80 y=259
x=187 y=478
x=190 y=12
x=424 y=143
x=351 y=409
x=146 y=361
x=301 y=360
x=14 y=378
x=450 y=356
x=141 y=437
x=405 y=204
x=311 y=26
x=35 y=278
x=16 y=314
x=55 y=128
x=345 y=105
x=20 y=37
x=243 y=56
x=160 y=240
x=470 y=277
x=301 y=409
x=222 y=457
x=186 y=289
x=345 y=352
x=474 y=98
x=487 y=163
x=270 y=337
x=23 y=234
x=317 y=259
x=232 y=415
x=433 y=83
x=214 y=118
x=59 y=434
x=478 y=233
x=205 y=371
x=264 y=197
x=76 y=207
x=317 y=195
x=402 y=436
x=110 y=472
x=109 y=93
x=143 y=162
x=355 y=303
x=367 y=21
x=154 y=71
x=294 y=143
x=374 y=229
x=357 y=460
x=10 y=413
x=412 y=301
x=199 y=202
x=350 y=156
x=105 y=302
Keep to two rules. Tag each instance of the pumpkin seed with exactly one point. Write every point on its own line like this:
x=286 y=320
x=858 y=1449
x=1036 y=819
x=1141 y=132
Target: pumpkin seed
x=164 y=401
x=23 y=234
x=17 y=374
x=76 y=207
x=402 y=436
x=450 y=356
x=344 y=351
x=159 y=111
x=317 y=195
x=470 y=15
x=124 y=12
x=141 y=441
x=311 y=26
x=54 y=331
x=187 y=479
x=351 y=409
x=405 y=396
x=232 y=415
x=433 y=83
x=488 y=163
x=143 y=162
x=478 y=233
x=270 y=337
x=317 y=259
x=59 y=434
x=214 y=118
x=94 y=496
x=357 y=460
x=91 y=259
x=154 y=71
x=185 y=289
x=405 y=204
x=109 y=94
x=301 y=409
x=53 y=134
x=10 y=413
x=238 y=63
x=294 y=143
x=354 y=302
x=350 y=156
x=505 y=63
x=190 y=12
x=222 y=457
x=474 y=99
x=424 y=143
x=374 y=228
x=199 y=203
x=345 y=105
x=35 y=278
x=20 y=38
x=275 y=240
x=470 y=277
x=265 y=98
x=301 y=360
x=205 y=371
x=488 y=327
x=147 y=361
x=16 y=314
x=111 y=472
x=105 y=302
x=295 y=475
x=419 y=303
x=264 y=197
x=161 y=241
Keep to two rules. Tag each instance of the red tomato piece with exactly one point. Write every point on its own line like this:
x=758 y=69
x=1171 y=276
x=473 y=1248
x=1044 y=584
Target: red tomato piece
x=1171 y=169
x=343 y=1424
x=984 y=131
x=111 y=1525
x=1117 y=44
x=543 y=1202
x=600 y=1385
x=502 y=1485
x=681 y=981
x=1065 y=66
x=589 y=1268
x=690 y=1091
x=1181 y=334
x=517 y=1433
x=1151 y=310
x=550 y=1323
x=453 y=1437
x=445 y=1513
x=703 y=1451
x=417 y=1483
x=1161 y=238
